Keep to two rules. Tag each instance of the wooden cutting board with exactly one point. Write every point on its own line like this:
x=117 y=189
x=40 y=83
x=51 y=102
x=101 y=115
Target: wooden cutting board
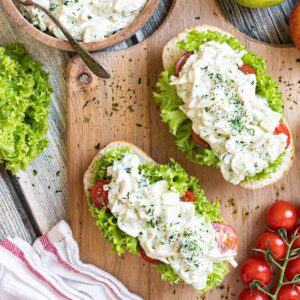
x=100 y=111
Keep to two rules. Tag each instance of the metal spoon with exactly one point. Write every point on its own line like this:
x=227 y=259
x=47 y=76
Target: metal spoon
x=91 y=62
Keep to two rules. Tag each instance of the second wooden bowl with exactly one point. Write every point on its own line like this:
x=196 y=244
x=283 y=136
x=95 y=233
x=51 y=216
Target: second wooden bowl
x=52 y=41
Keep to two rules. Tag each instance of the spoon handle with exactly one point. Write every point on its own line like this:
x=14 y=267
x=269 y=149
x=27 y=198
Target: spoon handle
x=89 y=60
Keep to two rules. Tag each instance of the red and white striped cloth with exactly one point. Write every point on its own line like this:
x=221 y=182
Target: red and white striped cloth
x=52 y=269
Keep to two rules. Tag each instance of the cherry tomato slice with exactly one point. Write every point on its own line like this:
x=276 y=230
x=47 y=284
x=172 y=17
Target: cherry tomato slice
x=181 y=61
x=281 y=128
x=256 y=268
x=226 y=237
x=282 y=214
x=99 y=195
x=247 y=294
x=148 y=259
x=247 y=69
x=199 y=141
x=296 y=230
x=289 y=292
x=292 y=269
x=188 y=197
x=273 y=241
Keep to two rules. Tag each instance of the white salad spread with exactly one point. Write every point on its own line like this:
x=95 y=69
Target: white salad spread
x=87 y=21
x=226 y=112
x=168 y=229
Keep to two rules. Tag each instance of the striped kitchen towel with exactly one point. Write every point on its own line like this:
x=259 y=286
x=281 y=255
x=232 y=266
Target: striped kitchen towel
x=52 y=269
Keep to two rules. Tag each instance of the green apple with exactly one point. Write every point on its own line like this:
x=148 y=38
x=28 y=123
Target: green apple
x=259 y=3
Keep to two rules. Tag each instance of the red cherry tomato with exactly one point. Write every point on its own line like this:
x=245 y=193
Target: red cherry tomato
x=181 y=61
x=273 y=241
x=99 y=195
x=281 y=128
x=282 y=214
x=188 y=197
x=247 y=294
x=226 y=237
x=247 y=69
x=295 y=231
x=199 y=141
x=256 y=268
x=148 y=259
x=298 y=212
x=289 y=292
x=292 y=269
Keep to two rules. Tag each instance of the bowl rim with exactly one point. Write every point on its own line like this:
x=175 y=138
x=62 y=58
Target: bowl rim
x=54 y=42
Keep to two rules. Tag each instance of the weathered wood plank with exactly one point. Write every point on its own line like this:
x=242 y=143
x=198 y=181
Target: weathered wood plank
x=270 y=25
x=14 y=219
x=46 y=191
x=154 y=22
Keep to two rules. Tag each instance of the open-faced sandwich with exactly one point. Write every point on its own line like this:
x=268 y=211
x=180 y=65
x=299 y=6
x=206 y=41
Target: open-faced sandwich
x=161 y=213
x=223 y=107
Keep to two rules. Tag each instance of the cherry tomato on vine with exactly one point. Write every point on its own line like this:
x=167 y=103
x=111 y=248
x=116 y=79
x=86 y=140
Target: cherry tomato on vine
x=99 y=195
x=148 y=259
x=188 y=197
x=273 y=241
x=289 y=292
x=282 y=128
x=226 y=237
x=255 y=268
x=247 y=294
x=247 y=69
x=199 y=141
x=292 y=269
x=296 y=231
x=282 y=214
x=298 y=212
x=181 y=61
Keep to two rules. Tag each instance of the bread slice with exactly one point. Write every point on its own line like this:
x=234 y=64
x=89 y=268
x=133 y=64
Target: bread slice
x=171 y=54
x=87 y=182
x=111 y=146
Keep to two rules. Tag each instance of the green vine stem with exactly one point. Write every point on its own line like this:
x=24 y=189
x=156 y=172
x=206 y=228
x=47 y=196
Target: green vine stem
x=290 y=255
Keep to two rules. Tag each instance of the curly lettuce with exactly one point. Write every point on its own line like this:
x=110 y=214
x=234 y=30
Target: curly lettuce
x=24 y=107
x=181 y=182
x=267 y=172
x=181 y=126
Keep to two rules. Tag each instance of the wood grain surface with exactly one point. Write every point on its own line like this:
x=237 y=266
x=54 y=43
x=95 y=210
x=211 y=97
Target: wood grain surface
x=257 y=22
x=100 y=111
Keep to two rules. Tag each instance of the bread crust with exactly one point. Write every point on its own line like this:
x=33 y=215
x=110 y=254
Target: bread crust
x=114 y=145
x=171 y=53
x=87 y=182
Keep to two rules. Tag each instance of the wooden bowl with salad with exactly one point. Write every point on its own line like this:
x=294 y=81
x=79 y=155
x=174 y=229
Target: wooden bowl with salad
x=98 y=25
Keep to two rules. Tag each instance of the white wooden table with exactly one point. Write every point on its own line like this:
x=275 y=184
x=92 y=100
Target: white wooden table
x=35 y=200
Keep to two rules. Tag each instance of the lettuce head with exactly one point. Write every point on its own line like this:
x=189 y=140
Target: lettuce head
x=24 y=107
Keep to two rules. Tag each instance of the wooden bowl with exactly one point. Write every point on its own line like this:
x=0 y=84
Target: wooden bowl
x=52 y=41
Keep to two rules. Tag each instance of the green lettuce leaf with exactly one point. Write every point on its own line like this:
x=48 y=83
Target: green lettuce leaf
x=267 y=173
x=106 y=161
x=24 y=107
x=107 y=223
x=178 y=122
x=181 y=182
x=167 y=273
x=216 y=277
